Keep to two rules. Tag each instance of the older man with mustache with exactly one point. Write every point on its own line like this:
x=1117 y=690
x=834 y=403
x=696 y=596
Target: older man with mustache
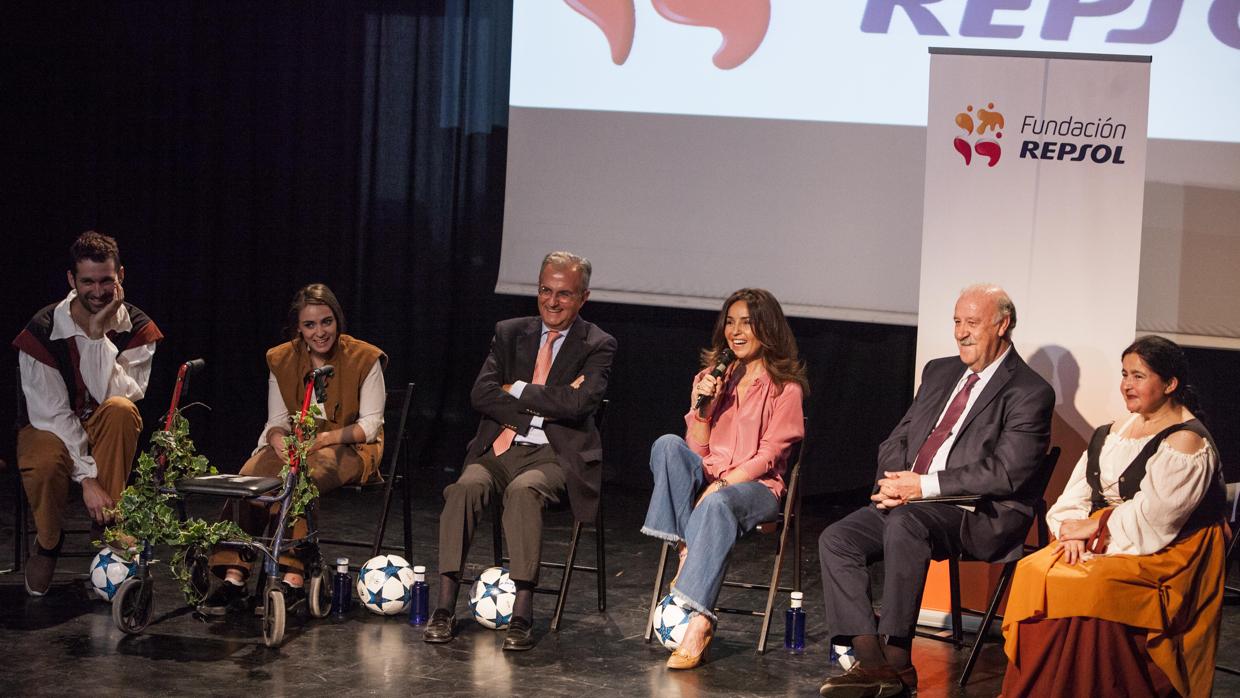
x=979 y=425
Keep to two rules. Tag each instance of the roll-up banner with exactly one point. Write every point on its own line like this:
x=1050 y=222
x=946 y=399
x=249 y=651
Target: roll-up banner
x=1035 y=178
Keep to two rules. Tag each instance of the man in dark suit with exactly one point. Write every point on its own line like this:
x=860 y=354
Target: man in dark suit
x=536 y=444
x=979 y=425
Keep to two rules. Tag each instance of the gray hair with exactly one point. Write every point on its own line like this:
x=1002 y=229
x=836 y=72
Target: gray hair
x=567 y=261
x=1003 y=303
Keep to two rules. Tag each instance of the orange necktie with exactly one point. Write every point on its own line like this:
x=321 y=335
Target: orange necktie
x=542 y=367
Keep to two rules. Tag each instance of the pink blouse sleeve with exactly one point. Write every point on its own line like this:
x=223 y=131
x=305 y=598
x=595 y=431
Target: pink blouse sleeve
x=701 y=449
x=787 y=426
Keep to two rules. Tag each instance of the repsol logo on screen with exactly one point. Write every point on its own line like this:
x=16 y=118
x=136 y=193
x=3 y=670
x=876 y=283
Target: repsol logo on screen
x=1223 y=19
x=1104 y=145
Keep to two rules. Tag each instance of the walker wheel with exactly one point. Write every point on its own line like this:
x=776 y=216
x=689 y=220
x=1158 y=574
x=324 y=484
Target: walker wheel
x=131 y=607
x=199 y=571
x=273 y=618
x=319 y=593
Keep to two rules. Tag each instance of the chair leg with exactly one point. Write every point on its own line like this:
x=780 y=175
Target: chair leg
x=381 y=529
x=1005 y=578
x=407 y=508
x=953 y=566
x=665 y=551
x=796 y=547
x=567 y=577
x=21 y=530
x=600 y=555
x=497 y=533
x=773 y=589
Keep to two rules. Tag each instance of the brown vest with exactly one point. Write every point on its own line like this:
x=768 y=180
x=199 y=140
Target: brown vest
x=353 y=359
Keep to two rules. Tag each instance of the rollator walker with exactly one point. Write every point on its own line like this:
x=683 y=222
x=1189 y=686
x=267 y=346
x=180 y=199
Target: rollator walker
x=248 y=490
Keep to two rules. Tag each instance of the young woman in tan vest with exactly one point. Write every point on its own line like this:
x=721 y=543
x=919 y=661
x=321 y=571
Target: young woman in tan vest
x=349 y=444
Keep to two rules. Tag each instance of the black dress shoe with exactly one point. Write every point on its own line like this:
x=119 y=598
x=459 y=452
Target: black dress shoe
x=227 y=598
x=864 y=682
x=520 y=635
x=440 y=628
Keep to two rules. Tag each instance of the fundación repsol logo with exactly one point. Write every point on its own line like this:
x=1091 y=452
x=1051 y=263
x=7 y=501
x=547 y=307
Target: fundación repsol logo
x=975 y=139
x=1099 y=141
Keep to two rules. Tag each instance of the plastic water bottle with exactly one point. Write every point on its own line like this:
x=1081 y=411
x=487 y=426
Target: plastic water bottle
x=342 y=588
x=419 y=604
x=794 y=625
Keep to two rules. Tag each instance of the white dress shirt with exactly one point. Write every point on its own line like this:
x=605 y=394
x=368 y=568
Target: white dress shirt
x=930 y=480
x=536 y=436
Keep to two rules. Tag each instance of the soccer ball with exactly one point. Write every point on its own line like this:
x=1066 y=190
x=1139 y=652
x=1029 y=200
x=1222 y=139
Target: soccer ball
x=385 y=584
x=844 y=655
x=671 y=619
x=492 y=598
x=107 y=571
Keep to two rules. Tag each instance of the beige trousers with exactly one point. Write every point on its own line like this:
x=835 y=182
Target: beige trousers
x=47 y=468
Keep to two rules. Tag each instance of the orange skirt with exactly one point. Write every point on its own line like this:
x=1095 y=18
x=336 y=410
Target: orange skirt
x=1174 y=595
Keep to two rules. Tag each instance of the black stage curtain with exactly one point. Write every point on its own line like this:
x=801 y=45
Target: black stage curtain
x=239 y=150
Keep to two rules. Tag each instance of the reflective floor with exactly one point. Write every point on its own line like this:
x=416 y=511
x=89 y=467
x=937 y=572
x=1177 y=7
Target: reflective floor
x=66 y=644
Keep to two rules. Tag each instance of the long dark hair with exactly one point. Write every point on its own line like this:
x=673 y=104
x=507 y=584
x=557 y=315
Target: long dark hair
x=1166 y=358
x=313 y=294
x=766 y=318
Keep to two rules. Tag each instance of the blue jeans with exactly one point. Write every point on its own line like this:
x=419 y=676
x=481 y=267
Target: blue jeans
x=711 y=529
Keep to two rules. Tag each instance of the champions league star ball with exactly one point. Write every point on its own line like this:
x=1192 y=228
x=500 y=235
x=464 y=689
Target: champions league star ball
x=844 y=655
x=107 y=571
x=385 y=584
x=671 y=619
x=492 y=598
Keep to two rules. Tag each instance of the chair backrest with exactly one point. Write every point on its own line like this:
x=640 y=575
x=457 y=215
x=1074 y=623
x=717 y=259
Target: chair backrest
x=1040 y=482
x=404 y=398
x=792 y=490
x=600 y=415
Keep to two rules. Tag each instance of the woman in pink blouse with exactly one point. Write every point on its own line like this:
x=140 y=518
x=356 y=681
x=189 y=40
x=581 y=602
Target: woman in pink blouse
x=726 y=475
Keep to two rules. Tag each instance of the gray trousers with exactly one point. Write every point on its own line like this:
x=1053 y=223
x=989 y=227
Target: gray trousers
x=905 y=539
x=530 y=478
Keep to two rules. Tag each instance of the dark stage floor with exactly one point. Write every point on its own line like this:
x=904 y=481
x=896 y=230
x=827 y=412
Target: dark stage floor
x=66 y=644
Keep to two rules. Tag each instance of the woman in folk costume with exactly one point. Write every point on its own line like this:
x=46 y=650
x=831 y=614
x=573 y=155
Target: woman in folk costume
x=1128 y=600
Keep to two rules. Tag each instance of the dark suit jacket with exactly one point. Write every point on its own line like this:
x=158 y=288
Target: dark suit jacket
x=567 y=412
x=997 y=453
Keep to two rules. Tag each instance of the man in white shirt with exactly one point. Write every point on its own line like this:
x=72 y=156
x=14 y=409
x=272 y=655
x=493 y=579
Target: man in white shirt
x=84 y=362
x=979 y=426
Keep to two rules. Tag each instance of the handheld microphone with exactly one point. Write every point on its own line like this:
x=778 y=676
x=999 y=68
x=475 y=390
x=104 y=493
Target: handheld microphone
x=194 y=366
x=726 y=357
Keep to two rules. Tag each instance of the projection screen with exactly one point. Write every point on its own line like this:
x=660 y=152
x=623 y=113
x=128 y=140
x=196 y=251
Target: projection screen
x=689 y=147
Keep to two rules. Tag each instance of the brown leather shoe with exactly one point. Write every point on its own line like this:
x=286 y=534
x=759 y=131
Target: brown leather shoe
x=440 y=628
x=40 y=567
x=681 y=659
x=908 y=676
x=864 y=682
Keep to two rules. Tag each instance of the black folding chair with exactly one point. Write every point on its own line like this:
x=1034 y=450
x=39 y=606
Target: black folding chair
x=958 y=610
x=788 y=525
x=399 y=401
x=599 y=569
x=23 y=528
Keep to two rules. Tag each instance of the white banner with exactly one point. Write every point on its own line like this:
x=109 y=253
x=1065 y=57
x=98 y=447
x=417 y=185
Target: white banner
x=1035 y=176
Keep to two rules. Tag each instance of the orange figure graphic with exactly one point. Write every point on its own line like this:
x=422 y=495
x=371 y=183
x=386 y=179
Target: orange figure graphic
x=617 y=19
x=743 y=24
x=965 y=122
x=989 y=119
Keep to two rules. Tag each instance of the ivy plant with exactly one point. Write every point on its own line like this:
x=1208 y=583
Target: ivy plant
x=304 y=430
x=147 y=512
